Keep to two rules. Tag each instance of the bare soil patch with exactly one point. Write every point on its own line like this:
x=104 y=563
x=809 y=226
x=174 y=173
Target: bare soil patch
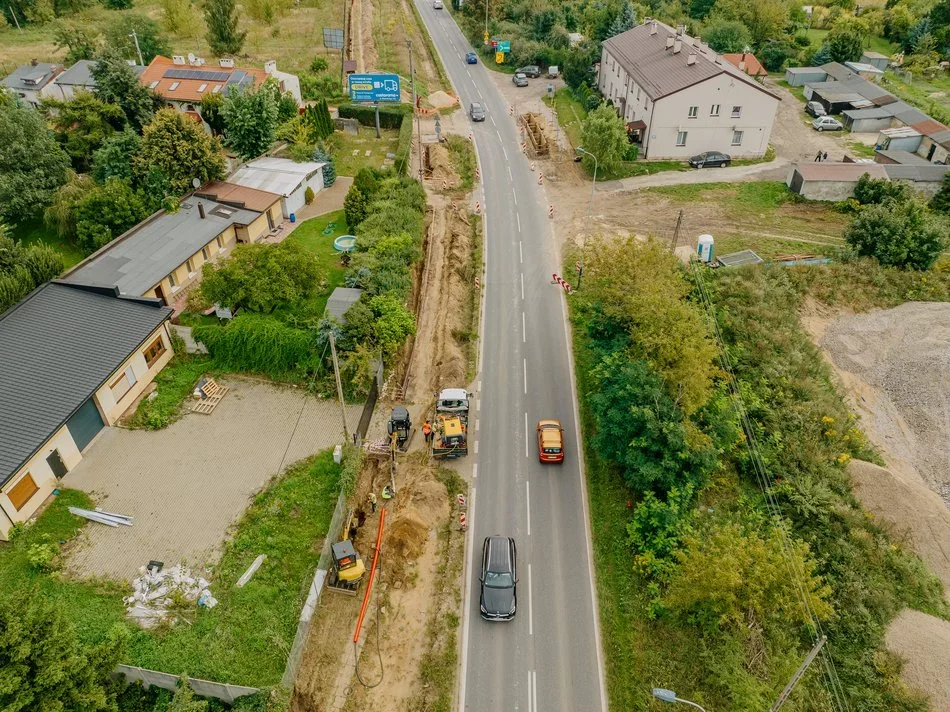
x=439 y=165
x=923 y=641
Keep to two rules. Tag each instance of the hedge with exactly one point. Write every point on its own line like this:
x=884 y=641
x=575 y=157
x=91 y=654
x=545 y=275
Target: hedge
x=389 y=118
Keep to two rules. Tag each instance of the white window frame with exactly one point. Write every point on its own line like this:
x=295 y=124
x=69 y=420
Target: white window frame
x=174 y=86
x=684 y=134
x=714 y=110
x=737 y=112
x=737 y=134
x=693 y=112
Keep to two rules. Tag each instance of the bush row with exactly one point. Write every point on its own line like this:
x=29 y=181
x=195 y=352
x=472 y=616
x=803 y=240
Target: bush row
x=390 y=117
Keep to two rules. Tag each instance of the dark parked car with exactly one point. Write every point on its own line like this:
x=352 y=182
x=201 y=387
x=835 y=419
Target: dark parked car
x=476 y=111
x=471 y=58
x=532 y=70
x=520 y=80
x=710 y=158
x=499 y=597
x=815 y=108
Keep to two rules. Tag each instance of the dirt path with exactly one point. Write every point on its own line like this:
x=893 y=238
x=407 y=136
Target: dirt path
x=923 y=642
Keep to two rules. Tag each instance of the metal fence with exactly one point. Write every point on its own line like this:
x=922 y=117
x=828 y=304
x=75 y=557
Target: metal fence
x=313 y=597
x=370 y=404
x=205 y=688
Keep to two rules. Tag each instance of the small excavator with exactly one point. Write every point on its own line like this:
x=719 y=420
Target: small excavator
x=346 y=566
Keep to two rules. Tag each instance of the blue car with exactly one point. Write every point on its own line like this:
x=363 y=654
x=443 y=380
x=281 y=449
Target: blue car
x=471 y=58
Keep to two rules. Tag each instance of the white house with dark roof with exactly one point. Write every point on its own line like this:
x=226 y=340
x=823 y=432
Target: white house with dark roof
x=73 y=359
x=27 y=82
x=678 y=97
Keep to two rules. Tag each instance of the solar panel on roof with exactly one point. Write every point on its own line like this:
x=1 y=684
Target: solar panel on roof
x=201 y=74
x=236 y=76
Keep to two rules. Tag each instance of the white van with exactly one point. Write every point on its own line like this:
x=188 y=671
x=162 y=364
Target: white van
x=436 y=4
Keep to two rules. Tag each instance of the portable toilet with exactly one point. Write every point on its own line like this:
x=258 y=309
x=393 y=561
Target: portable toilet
x=705 y=248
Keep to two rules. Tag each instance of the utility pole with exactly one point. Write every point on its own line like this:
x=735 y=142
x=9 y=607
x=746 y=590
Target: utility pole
x=14 y=18
x=415 y=113
x=809 y=659
x=486 y=22
x=135 y=37
x=339 y=385
x=343 y=48
x=676 y=232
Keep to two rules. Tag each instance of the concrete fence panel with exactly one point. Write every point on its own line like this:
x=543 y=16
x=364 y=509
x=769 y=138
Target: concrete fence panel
x=205 y=688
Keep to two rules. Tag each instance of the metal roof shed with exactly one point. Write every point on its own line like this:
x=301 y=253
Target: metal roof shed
x=284 y=177
x=341 y=300
x=799 y=76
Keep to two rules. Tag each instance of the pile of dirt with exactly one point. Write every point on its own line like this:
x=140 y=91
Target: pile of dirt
x=913 y=509
x=440 y=166
x=896 y=362
x=441 y=100
x=923 y=642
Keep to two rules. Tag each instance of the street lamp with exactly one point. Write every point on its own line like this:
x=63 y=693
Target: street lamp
x=670 y=696
x=590 y=207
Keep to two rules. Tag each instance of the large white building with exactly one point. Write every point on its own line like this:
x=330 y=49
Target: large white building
x=679 y=98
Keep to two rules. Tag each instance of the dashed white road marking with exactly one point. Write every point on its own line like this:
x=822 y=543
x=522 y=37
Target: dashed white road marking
x=524 y=340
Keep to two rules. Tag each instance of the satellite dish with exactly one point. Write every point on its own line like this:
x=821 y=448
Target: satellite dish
x=196 y=182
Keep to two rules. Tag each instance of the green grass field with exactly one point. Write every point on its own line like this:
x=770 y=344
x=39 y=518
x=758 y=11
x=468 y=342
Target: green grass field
x=36 y=232
x=351 y=155
x=311 y=234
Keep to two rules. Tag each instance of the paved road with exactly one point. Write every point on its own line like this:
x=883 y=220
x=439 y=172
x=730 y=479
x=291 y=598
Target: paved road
x=548 y=658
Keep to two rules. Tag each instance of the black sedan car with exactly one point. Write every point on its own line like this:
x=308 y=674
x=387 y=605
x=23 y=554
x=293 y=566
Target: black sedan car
x=499 y=597
x=532 y=70
x=476 y=111
x=710 y=158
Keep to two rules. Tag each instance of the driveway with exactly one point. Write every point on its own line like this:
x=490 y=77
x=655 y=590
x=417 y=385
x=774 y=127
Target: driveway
x=187 y=484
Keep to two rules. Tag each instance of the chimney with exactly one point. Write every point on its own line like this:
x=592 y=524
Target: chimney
x=680 y=30
x=201 y=210
x=691 y=60
x=653 y=27
x=677 y=45
x=270 y=67
x=34 y=62
x=742 y=65
x=669 y=41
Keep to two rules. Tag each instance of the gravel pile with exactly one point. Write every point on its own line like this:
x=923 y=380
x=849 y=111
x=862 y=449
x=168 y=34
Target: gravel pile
x=903 y=355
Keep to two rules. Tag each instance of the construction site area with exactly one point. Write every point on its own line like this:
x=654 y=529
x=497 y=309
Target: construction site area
x=384 y=632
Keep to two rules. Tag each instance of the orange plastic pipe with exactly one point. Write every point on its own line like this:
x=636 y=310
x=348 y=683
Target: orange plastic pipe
x=372 y=575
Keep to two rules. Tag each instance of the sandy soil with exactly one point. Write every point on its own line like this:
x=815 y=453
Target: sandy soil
x=923 y=642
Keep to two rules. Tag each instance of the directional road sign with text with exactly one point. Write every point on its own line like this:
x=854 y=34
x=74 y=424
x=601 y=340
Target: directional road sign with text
x=374 y=87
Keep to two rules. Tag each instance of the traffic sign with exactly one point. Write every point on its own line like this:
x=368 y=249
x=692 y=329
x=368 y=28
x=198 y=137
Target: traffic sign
x=503 y=46
x=499 y=57
x=374 y=87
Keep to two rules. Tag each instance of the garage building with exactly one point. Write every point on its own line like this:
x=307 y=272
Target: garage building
x=73 y=359
x=288 y=179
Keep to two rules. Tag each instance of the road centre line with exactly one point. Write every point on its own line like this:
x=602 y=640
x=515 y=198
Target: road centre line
x=530 y=617
x=522 y=285
x=476 y=447
x=520 y=251
x=519 y=222
x=475 y=471
x=505 y=151
x=534 y=689
x=524 y=335
x=524 y=362
x=527 y=489
x=497 y=133
x=529 y=692
x=526 y=438
x=510 y=177
x=514 y=197
x=477 y=423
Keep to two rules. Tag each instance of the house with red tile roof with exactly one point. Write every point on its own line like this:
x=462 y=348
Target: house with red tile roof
x=748 y=63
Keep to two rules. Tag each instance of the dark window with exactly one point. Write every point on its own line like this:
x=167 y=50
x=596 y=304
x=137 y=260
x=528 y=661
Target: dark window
x=153 y=352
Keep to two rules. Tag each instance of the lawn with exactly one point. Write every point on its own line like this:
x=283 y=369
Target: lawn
x=875 y=43
x=316 y=235
x=246 y=638
x=570 y=114
x=350 y=154
x=36 y=232
x=920 y=92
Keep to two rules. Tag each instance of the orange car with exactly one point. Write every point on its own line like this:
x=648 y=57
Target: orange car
x=550 y=441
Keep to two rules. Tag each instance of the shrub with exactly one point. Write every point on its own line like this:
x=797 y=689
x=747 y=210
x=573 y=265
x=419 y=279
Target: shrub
x=318 y=64
x=308 y=195
x=389 y=118
x=904 y=235
x=258 y=343
x=354 y=207
x=329 y=170
x=657 y=528
x=872 y=191
x=393 y=322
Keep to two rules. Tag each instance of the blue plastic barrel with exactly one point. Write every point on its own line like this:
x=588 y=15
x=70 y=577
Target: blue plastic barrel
x=293 y=218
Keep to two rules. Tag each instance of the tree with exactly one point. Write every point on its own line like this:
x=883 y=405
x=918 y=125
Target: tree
x=22 y=269
x=822 y=56
x=727 y=36
x=287 y=107
x=114 y=158
x=394 y=323
x=578 y=66
x=178 y=15
x=222 y=18
x=354 y=207
x=318 y=122
x=846 y=39
x=940 y=203
x=44 y=667
x=79 y=39
x=82 y=124
x=211 y=112
x=766 y=19
x=179 y=148
x=261 y=278
x=184 y=699
x=898 y=234
x=627 y=19
x=897 y=23
x=329 y=170
x=700 y=9
x=250 y=120
x=117 y=83
x=105 y=212
x=871 y=191
x=32 y=163
x=774 y=55
x=605 y=136
x=151 y=41
x=118 y=4
x=61 y=213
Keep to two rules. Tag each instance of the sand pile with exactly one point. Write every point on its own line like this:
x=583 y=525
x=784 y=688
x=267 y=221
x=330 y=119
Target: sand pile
x=440 y=166
x=441 y=100
x=923 y=641
x=912 y=508
x=406 y=536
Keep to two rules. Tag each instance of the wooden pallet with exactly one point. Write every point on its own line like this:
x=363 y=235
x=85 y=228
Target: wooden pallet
x=213 y=395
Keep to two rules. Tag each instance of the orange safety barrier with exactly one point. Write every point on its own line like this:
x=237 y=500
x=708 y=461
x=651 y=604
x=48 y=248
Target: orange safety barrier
x=372 y=575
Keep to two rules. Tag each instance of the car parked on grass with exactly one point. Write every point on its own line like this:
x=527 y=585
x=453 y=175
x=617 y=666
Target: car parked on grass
x=710 y=158
x=827 y=123
x=550 y=441
x=471 y=58
x=816 y=109
x=532 y=70
x=520 y=80
x=476 y=111
x=499 y=596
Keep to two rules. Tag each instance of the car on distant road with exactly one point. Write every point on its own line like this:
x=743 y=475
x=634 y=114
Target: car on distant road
x=710 y=158
x=827 y=123
x=499 y=597
x=436 y=4
x=520 y=80
x=550 y=441
x=532 y=70
x=476 y=111
x=471 y=58
x=816 y=109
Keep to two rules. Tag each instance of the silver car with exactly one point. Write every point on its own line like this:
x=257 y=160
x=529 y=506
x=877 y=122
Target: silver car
x=520 y=80
x=827 y=123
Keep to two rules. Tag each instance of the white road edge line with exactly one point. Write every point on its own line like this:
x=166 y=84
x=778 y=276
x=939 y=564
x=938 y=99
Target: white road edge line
x=527 y=490
x=463 y=663
x=530 y=621
x=476 y=447
x=477 y=423
x=475 y=471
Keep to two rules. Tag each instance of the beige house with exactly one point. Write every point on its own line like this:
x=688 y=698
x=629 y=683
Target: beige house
x=679 y=98
x=162 y=256
x=73 y=359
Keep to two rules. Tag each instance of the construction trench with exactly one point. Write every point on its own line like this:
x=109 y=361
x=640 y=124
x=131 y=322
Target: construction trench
x=414 y=607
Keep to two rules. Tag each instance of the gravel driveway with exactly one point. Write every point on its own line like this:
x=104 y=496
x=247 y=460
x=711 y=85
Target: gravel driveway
x=187 y=484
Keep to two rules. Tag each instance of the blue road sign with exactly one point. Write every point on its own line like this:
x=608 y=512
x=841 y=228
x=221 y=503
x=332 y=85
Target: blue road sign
x=374 y=87
x=504 y=45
